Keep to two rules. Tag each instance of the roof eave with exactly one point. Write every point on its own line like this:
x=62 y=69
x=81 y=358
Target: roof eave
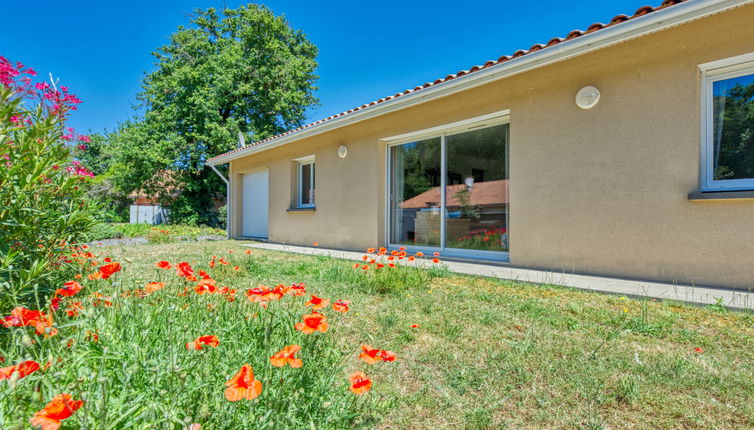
x=650 y=23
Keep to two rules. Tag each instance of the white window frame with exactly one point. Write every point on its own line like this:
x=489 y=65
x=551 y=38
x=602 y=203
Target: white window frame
x=712 y=72
x=442 y=131
x=305 y=161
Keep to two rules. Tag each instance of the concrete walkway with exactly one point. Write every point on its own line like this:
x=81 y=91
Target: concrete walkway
x=657 y=290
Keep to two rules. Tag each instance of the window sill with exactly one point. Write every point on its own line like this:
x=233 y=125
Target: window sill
x=720 y=195
x=311 y=209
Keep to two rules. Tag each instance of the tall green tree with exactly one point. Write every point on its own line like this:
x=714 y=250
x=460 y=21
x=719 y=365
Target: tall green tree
x=241 y=70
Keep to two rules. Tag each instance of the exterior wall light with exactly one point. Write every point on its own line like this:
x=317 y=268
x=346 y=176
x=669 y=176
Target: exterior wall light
x=342 y=151
x=587 y=97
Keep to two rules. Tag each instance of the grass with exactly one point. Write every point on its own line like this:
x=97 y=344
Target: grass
x=138 y=230
x=486 y=354
x=155 y=234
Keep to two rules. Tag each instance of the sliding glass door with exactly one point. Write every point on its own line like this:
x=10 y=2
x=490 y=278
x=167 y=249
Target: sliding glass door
x=450 y=192
x=415 y=194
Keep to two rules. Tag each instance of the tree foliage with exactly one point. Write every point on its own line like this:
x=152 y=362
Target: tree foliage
x=242 y=70
x=734 y=153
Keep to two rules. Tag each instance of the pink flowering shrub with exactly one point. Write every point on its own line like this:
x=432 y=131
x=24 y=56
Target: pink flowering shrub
x=43 y=204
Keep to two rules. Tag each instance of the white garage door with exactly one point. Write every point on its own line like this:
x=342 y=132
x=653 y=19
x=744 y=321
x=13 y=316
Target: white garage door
x=254 y=207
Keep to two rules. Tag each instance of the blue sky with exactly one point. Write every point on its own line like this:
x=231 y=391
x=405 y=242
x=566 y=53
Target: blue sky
x=368 y=49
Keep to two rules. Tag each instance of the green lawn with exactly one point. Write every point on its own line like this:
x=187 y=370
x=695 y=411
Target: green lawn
x=492 y=354
x=487 y=354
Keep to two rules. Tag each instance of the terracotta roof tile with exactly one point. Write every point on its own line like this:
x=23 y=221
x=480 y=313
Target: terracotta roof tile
x=490 y=193
x=520 y=53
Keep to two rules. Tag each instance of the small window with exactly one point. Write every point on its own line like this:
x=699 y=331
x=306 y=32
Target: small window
x=728 y=125
x=306 y=183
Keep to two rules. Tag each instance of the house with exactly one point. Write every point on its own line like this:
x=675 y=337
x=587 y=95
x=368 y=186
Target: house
x=623 y=150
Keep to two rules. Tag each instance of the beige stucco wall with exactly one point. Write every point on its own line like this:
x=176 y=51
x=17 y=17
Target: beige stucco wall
x=602 y=191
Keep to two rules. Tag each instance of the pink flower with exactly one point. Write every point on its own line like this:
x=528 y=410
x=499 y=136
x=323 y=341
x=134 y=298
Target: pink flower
x=41 y=85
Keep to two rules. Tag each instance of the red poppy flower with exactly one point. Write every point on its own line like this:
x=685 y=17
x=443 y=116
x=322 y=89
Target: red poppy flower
x=414 y=325
x=243 y=385
x=24 y=369
x=387 y=355
x=154 y=286
x=196 y=344
x=163 y=265
x=435 y=260
x=369 y=355
x=317 y=303
x=109 y=269
x=297 y=290
x=51 y=416
x=206 y=286
x=341 y=306
x=184 y=270
x=287 y=356
x=107 y=260
x=312 y=322
x=70 y=288
x=21 y=317
x=247 y=252
x=360 y=383
x=55 y=303
x=411 y=258
x=699 y=350
x=315 y=243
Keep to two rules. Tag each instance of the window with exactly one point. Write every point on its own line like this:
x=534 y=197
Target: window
x=448 y=189
x=728 y=124
x=305 y=184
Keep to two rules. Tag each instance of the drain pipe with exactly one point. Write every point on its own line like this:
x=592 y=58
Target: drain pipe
x=227 y=200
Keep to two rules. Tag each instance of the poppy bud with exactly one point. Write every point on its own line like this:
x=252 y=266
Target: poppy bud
x=27 y=341
x=204 y=412
x=14 y=377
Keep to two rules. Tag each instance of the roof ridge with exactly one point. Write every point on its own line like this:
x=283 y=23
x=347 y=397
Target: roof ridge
x=596 y=26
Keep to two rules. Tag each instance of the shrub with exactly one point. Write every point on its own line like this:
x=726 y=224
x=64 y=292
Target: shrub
x=103 y=231
x=222 y=216
x=43 y=204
